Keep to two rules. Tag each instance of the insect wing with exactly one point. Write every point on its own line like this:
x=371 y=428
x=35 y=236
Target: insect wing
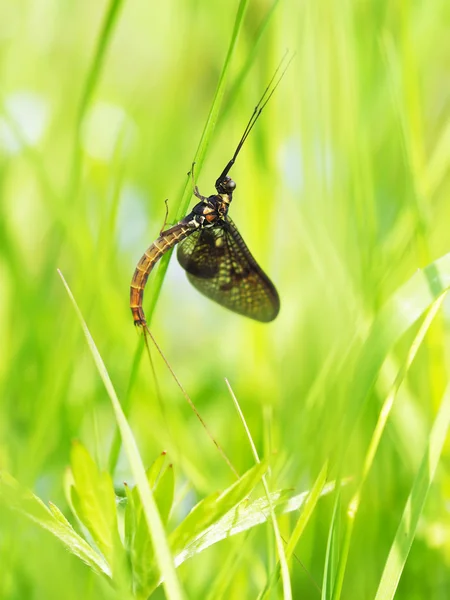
x=220 y=266
x=200 y=254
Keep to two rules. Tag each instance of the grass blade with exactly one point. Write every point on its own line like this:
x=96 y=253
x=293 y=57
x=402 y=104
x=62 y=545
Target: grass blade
x=155 y=525
x=92 y=79
x=181 y=209
x=332 y=553
x=308 y=507
x=287 y=592
x=414 y=506
x=353 y=506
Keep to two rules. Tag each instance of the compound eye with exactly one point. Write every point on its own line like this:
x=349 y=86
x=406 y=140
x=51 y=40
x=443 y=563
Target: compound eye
x=230 y=185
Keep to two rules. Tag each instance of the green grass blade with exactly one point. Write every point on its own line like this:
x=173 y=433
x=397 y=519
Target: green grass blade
x=213 y=508
x=244 y=518
x=414 y=506
x=181 y=208
x=402 y=310
x=139 y=544
x=385 y=411
x=308 y=509
x=91 y=82
x=332 y=552
x=238 y=81
x=155 y=525
x=93 y=75
x=305 y=514
x=287 y=591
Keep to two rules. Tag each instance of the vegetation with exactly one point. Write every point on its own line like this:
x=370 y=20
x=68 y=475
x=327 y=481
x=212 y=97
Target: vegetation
x=334 y=417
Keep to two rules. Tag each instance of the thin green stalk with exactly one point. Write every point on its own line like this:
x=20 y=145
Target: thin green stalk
x=91 y=82
x=155 y=526
x=182 y=206
x=354 y=503
x=287 y=591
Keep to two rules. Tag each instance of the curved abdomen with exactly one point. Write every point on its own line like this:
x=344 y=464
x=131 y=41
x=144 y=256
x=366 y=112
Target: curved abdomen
x=163 y=244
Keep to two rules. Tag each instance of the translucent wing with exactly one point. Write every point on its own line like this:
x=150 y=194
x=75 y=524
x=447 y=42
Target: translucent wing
x=220 y=266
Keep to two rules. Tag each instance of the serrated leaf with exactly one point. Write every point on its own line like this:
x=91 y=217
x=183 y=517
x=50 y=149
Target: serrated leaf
x=52 y=520
x=93 y=499
x=214 y=507
x=242 y=518
x=164 y=558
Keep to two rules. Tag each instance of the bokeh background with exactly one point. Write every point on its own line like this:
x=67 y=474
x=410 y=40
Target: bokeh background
x=342 y=194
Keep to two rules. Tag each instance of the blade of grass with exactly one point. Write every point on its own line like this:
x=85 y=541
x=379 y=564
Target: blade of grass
x=353 y=505
x=414 y=506
x=331 y=558
x=238 y=81
x=400 y=312
x=181 y=207
x=155 y=526
x=307 y=510
x=116 y=443
x=287 y=592
x=212 y=509
x=92 y=79
x=242 y=519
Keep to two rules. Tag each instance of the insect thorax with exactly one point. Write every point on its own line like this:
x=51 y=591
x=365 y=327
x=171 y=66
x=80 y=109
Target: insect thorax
x=211 y=211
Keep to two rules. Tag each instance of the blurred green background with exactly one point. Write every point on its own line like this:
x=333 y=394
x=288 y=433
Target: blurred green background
x=342 y=193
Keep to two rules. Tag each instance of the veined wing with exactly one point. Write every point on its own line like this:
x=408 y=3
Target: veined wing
x=220 y=266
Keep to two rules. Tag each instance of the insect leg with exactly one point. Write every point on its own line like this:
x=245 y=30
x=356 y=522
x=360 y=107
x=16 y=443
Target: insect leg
x=166 y=202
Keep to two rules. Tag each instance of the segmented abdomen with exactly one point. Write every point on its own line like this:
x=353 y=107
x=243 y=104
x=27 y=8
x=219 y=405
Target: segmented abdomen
x=165 y=242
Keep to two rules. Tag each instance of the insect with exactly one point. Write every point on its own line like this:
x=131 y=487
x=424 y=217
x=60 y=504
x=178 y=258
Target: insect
x=211 y=249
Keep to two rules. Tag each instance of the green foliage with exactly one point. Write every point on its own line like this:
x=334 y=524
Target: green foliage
x=342 y=196
x=50 y=518
x=93 y=502
x=137 y=538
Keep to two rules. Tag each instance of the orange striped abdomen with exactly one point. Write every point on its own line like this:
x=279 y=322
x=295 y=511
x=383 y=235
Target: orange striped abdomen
x=163 y=244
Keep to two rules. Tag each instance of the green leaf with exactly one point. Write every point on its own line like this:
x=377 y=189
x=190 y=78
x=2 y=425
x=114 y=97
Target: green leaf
x=93 y=499
x=51 y=519
x=155 y=526
x=214 y=507
x=164 y=493
x=244 y=517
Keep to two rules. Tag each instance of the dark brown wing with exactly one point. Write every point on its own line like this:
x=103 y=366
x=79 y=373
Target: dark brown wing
x=200 y=254
x=220 y=266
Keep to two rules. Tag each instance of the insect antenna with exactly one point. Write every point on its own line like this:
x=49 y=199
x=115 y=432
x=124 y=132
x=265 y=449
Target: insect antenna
x=271 y=87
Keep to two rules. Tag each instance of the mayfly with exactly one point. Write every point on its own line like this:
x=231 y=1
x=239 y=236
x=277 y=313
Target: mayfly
x=211 y=250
